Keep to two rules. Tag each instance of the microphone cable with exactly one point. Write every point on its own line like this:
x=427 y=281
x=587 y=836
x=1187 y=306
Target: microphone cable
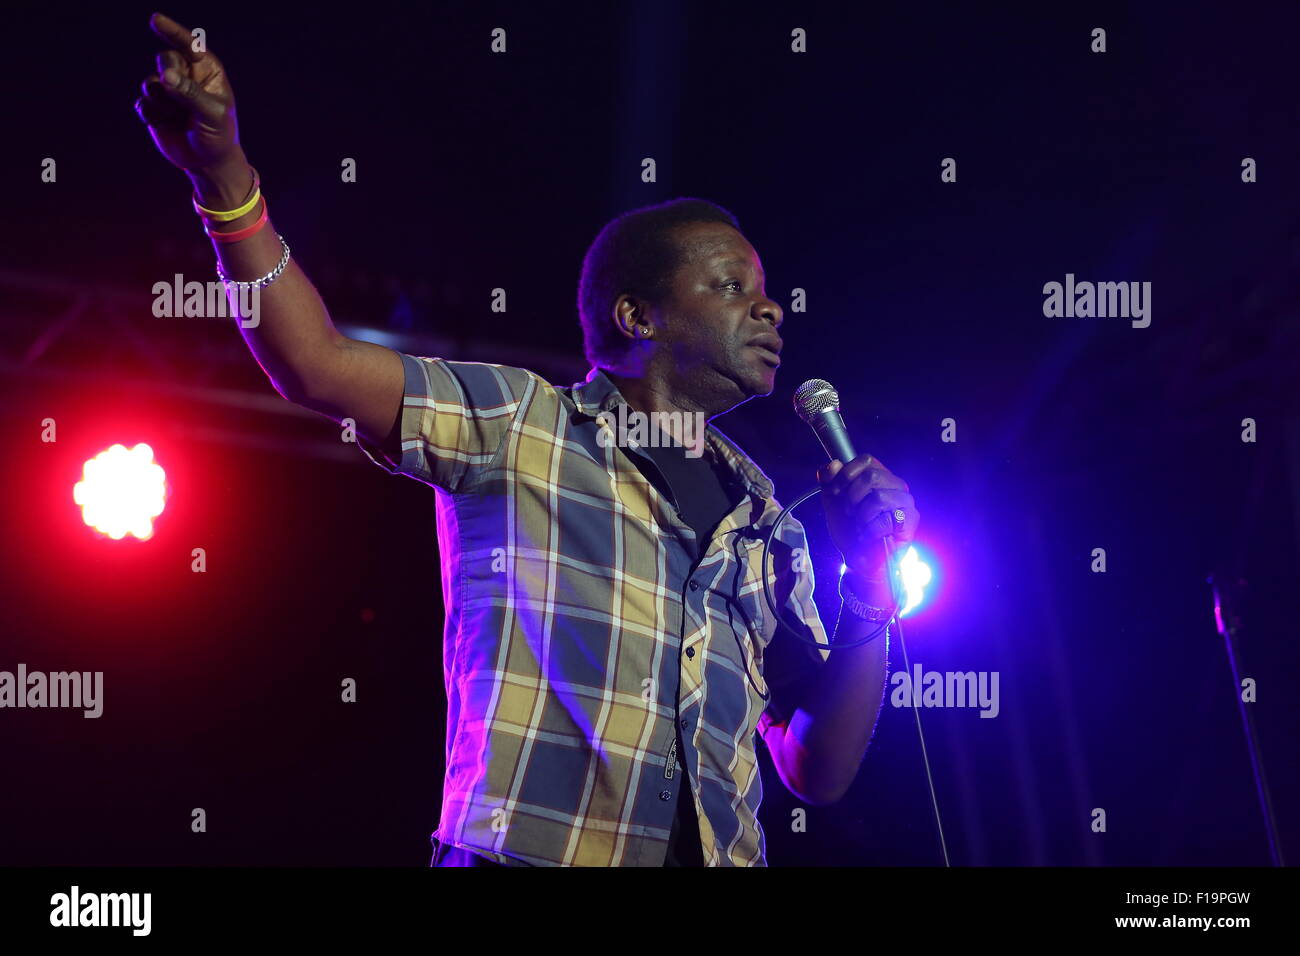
x=898 y=630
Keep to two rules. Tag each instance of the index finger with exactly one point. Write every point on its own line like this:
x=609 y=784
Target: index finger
x=837 y=475
x=864 y=462
x=867 y=471
x=175 y=36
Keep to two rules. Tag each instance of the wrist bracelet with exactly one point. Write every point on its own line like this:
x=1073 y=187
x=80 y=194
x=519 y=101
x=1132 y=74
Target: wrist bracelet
x=230 y=215
x=266 y=279
x=861 y=609
x=238 y=233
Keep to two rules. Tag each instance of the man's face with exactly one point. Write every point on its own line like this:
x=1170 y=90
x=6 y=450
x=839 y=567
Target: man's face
x=719 y=324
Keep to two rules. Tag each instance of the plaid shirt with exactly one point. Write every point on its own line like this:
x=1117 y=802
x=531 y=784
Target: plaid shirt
x=581 y=631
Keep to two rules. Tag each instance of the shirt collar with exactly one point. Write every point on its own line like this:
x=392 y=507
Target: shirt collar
x=597 y=393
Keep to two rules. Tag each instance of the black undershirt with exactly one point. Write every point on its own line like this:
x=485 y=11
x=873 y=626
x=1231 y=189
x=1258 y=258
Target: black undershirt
x=704 y=494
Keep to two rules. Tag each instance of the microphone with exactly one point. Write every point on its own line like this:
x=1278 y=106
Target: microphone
x=818 y=404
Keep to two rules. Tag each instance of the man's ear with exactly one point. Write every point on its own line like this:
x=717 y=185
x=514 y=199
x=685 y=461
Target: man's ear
x=631 y=319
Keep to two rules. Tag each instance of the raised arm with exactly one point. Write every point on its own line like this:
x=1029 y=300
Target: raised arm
x=189 y=108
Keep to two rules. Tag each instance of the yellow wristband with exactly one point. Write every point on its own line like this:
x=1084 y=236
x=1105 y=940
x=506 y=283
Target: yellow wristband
x=232 y=214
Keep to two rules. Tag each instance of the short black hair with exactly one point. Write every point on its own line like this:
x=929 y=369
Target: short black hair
x=634 y=254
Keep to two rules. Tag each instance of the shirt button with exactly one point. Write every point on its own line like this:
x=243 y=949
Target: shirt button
x=690 y=652
x=695 y=585
x=685 y=722
x=665 y=794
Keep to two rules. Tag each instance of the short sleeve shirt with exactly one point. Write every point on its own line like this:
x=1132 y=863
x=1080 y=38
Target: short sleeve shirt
x=589 y=631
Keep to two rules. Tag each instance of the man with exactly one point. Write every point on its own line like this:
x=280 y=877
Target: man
x=609 y=653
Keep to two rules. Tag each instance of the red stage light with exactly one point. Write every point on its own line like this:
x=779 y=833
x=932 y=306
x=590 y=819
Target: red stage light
x=121 y=492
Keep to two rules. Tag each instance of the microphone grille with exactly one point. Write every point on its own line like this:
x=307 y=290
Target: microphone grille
x=814 y=397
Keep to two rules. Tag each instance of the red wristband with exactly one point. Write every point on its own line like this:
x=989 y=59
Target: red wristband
x=238 y=233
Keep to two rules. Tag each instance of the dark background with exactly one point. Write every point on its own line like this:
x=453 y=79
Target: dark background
x=925 y=302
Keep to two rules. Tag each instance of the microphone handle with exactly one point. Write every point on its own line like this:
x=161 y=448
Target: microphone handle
x=829 y=426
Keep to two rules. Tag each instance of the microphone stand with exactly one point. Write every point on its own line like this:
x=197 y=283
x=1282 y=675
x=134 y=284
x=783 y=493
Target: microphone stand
x=1228 y=622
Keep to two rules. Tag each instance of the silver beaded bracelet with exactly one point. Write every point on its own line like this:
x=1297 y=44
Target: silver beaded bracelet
x=266 y=279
